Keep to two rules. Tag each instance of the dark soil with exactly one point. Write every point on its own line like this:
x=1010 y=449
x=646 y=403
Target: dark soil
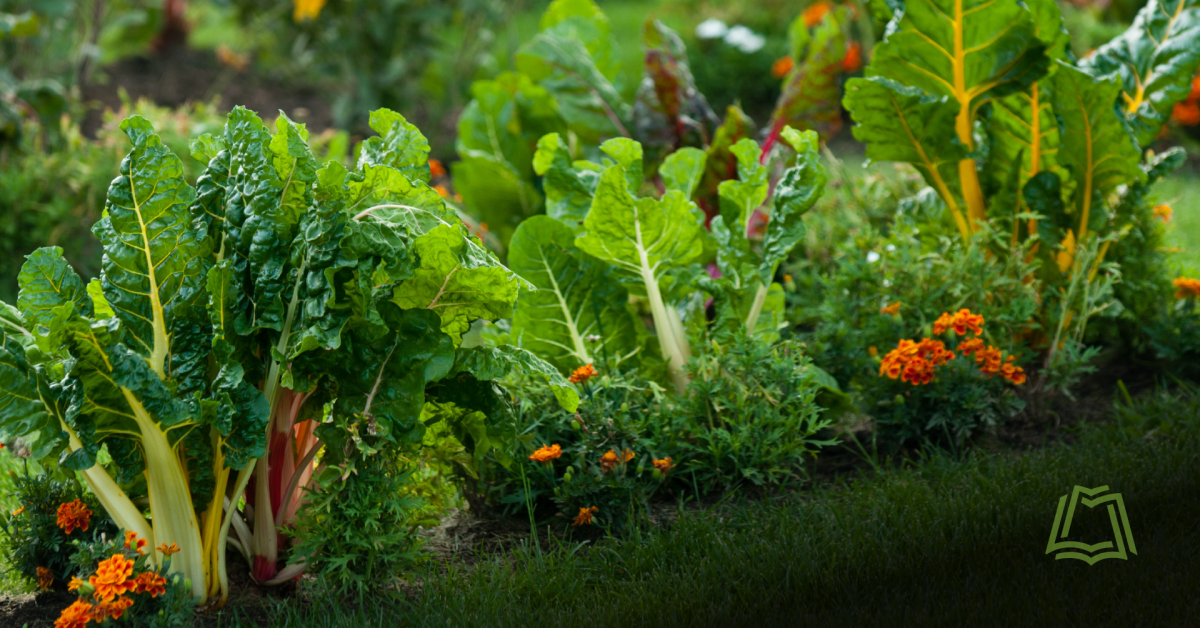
x=182 y=75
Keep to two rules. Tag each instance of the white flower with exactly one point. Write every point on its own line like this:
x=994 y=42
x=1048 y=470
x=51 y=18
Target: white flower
x=872 y=257
x=890 y=247
x=593 y=338
x=712 y=28
x=744 y=39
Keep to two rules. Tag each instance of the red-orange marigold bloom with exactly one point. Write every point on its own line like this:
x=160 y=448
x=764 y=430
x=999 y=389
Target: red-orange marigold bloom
x=134 y=543
x=546 y=453
x=45 y=578
x=918 y=371
x=970 y=346
x=111 y=608
x=436 y=169
x=150 y=582
x=782 y=66
x=167 y=550
x=1186 y=113
x=964 y=320
x=585 y=516
x=891 y=309
x=988 y=359
x=74 y=584
x=442 y=190
x=112 y=577
x=1012 y=372
x=664 y=465
x=583 y=374
x=942 y=323
x=611 y=459
x=1186 y=287
x=73 y=515
x=816 y=12
x=852 y=62
x=18 y=511
x=76 y=615
x=1163 y=211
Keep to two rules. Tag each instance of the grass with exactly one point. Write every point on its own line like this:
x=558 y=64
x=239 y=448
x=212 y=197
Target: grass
x=947 y=542
x=1180 y=192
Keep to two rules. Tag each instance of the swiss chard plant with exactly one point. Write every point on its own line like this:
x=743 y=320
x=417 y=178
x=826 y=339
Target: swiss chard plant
x=605 y=239
x=985 y=100
x=231 y=320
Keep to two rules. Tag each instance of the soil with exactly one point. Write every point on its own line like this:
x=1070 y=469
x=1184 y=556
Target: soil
x=181 y=75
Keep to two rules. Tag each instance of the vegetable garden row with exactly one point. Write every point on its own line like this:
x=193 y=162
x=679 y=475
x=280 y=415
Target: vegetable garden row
x=298 y=364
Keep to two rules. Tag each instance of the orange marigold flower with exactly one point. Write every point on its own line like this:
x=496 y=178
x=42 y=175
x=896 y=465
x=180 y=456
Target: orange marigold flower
x=18 y=511
x=1186 y=113
x=816 y=12
x=970 y=346
x=934 y=351
x=150 y=582
x=1163 y=211
x=782 y=66
x=45 y=578
x=1186 y=287
x=611 y=459
x=988 y=359
x=584 y=517
x=436 y=169
x=942 y=323
x=964 y=320
x=76 y=615
x=917 y=371
x=134 y=543
x=891 y=309
x=442 y=190
x=852 y=62
x=112 y=577
x=74 y=584
x=73 y=515
x=111 y=608
x=1012 y=372
x=583 y=374
x=546 y=453
x=664 y=465
x=167 y=550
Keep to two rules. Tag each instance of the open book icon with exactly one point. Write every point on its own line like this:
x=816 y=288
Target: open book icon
x=1091 y=554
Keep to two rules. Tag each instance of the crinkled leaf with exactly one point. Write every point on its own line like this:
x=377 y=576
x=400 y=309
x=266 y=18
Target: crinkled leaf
x=29 y=409
x=683 y=169
x=628 y=154
x=741 y=196
x=576 y=299
x=668 y=111
x=459 y=280
x=584 y=21
x=800 y=188
x=399 y=145
x=47 y=281
x=495 y=363
x=1155 y=60
x=496 y=193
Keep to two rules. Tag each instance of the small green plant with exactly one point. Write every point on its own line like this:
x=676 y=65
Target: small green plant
x=53 y=515
x=118 y=581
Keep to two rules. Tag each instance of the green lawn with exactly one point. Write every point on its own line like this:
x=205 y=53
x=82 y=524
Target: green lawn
x=943 y=544
x=1182 y=193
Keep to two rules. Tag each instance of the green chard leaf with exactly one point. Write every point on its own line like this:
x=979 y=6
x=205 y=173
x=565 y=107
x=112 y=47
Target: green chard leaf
x=721 y=164
x=579 y=314
x=47 y=281
x=741 y=196
x=569 y=185
x=800 y=188
x=1155 y=61
x=399 y=145
x=496 y=363
x=809 y=100
x=683 y=170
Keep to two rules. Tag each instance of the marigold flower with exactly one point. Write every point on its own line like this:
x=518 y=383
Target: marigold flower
x=436 y=169
x=76 y=615
x=111 y=608
x=74 y=583
x=45 y=578
x=782 y=66
x=167 y=550
x=1163 y=211
x=917 y=371
x=585 y=516
x=583 y=374
x=891 y=309
x=611 y=459
x=1186 y=113
x=934 y=351
x=1012 y=372
x=816 y=12
x=964 y=320
x=664 y=465
x=306 y=9
x=546 y=453
x=150 y=582
x=18 y=511
x=442 y=190
x=988 y=359
x=112 y=577
x=1186 y=287
x=852 y=62
x=73 y=515
x=970 y=346
x=134 y=543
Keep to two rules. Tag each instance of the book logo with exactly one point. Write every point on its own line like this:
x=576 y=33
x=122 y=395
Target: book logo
x=1091 y=554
